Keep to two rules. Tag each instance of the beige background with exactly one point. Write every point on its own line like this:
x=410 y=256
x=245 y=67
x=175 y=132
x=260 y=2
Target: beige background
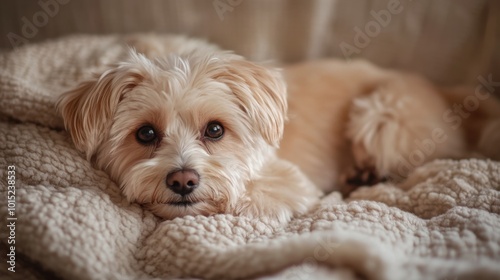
x=449 y=41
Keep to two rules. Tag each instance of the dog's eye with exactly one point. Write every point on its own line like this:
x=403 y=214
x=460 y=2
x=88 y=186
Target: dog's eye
x=146 y=135
x=214 y=131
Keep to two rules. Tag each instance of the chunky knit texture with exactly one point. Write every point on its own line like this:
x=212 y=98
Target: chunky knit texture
x=73 y=222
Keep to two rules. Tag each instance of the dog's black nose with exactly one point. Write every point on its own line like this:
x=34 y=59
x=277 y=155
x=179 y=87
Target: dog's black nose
x=183 y=181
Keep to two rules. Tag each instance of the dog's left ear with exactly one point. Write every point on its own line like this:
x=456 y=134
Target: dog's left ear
x=261 y=92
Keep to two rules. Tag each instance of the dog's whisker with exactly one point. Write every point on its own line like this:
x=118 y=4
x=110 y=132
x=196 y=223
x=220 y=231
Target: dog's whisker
x=155 y=194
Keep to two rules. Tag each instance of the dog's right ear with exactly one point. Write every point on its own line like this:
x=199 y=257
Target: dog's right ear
x=88 y=109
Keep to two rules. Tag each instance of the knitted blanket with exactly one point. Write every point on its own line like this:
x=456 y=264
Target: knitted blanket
x=71 y=221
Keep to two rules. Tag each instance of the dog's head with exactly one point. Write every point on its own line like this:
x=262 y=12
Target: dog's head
x=181 y=135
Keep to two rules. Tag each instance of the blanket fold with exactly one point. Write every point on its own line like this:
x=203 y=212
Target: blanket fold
x=443 y=222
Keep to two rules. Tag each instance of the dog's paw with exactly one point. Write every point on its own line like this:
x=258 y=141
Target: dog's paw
x=363 y=177
x=279 y=194
x=363 y=171
x=358 y=177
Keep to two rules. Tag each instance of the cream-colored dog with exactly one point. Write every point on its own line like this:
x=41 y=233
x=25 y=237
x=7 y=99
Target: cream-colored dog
x=187 y=129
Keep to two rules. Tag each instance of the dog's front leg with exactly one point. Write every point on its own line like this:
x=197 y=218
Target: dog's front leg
x=281 y=192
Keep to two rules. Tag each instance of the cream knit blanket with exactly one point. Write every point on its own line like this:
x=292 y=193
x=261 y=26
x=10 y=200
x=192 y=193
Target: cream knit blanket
x=73 y=223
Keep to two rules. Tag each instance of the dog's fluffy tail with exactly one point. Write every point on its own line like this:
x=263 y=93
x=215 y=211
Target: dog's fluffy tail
x=401 y=125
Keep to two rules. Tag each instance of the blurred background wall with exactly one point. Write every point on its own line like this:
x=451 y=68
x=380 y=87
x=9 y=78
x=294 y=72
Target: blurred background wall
x=449 y=41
